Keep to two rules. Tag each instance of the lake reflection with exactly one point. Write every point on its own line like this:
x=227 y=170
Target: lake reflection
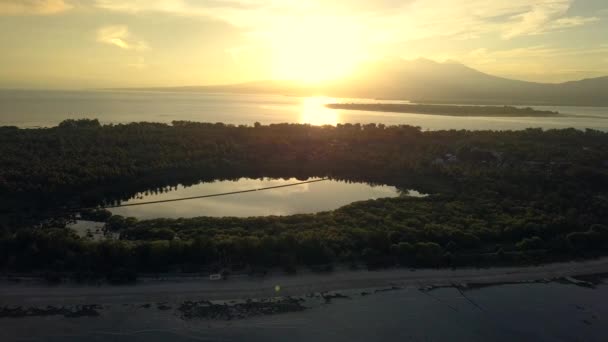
x=298 y=199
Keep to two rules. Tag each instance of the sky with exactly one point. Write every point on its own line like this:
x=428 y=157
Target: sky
x=116 y=43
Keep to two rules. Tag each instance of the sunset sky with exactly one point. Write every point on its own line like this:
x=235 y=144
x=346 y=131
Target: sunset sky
x=106 y=43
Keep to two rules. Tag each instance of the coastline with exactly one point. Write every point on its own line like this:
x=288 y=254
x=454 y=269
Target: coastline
x=170 y=288
x=446 y=110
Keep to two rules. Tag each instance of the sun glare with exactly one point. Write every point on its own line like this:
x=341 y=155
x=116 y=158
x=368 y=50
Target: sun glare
x=315 y=50
x=315 y=113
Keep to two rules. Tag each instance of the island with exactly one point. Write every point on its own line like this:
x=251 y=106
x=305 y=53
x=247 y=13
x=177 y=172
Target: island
x=495 y=198
x=447 y=110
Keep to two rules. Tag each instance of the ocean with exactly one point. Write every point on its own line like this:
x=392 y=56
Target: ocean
x=38 y=108
x=518 y=312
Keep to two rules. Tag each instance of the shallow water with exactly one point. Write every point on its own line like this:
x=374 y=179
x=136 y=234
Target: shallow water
x=47 y=108
x=522 y=312
x=298 y=199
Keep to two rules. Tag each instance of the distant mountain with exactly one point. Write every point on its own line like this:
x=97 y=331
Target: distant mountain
x=423 y=80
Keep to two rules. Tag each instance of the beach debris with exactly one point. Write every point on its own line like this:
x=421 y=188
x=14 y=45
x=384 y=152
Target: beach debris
x=212 y=311
x=66 y=311
x=329 y=296
x=578 y=282
x=392 y=288
x=163 y=307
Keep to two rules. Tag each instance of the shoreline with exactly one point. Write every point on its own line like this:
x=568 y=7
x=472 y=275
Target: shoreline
x=447 y=110
x=150 y=289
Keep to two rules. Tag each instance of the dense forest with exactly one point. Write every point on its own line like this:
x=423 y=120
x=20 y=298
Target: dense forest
x=497 y=197
x=449 y=110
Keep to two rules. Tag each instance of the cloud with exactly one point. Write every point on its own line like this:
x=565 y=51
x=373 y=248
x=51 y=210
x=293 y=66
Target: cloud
x=138 y=6
x=194 y=7
x=543 y=17
x=375 y=21
x=535 y=19
x=33 y=7
x=572 y=22
x=539 y=62
x=483 y=55
x=182 y=7
x=119 y=35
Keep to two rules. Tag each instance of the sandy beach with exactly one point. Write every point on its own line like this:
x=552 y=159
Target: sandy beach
x=36 y=293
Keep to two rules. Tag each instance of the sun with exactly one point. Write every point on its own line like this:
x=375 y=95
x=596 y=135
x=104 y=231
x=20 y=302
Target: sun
x=314 y=50
x=314 y=112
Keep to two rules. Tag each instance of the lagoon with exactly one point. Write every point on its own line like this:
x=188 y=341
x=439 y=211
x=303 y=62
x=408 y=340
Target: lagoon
x=298 y=199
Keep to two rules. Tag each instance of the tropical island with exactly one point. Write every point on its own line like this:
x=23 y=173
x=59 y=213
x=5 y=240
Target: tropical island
x=496 y=198
x=448 y=110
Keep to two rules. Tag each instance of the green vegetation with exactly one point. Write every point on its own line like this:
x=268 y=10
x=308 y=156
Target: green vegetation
x=448 y=110
x=498 y=197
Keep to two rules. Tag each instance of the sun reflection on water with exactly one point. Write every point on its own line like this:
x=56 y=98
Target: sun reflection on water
x=315 y=113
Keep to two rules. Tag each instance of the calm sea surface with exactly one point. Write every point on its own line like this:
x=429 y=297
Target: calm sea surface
x=47 y=108
x=523 y=312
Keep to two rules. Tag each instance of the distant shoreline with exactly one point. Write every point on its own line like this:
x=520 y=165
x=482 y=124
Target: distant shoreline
x=446 y=110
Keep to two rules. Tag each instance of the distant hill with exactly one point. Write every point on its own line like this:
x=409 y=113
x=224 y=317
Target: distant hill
x=426 y=81
x=423 y=80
